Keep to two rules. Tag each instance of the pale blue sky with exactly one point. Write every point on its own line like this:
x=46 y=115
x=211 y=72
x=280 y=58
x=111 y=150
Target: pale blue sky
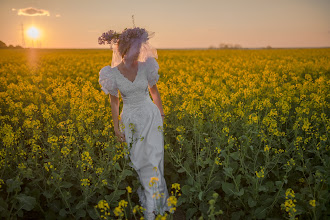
x=177 y=24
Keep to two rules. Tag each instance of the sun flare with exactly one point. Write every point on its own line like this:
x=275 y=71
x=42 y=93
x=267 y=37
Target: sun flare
x=33 y=32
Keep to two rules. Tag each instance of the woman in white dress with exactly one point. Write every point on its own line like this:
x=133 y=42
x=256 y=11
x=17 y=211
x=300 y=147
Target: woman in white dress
x=132 y=71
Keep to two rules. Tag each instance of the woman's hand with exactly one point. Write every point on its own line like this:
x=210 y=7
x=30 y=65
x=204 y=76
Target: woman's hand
x=120 y=136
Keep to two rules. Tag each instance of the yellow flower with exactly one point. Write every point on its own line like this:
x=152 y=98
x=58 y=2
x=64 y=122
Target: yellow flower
x=266 y=148
x=1 y=183
x=85 y=182
x=123 y=203
x=261 y=173
x=129 y=189
x=152 y=181
x=312 y=202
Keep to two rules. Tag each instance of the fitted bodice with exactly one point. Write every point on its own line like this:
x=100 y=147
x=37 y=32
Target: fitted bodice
x=136 y=92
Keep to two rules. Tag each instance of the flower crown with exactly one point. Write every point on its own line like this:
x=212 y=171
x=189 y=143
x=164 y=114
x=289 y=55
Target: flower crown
x=112 y=37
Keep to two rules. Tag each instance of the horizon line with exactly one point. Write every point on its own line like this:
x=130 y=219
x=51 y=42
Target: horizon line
x=186 y=48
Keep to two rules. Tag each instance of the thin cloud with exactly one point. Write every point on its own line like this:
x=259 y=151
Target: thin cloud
x=13 y=9
x=33 y=12
x=58 y=15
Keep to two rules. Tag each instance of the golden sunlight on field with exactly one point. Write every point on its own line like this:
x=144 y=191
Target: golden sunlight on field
x=246 y=136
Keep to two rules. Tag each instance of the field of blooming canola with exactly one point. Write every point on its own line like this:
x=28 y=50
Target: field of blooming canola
x=246 y=136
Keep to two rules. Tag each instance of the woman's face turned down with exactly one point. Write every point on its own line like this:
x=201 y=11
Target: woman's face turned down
x=134 y=51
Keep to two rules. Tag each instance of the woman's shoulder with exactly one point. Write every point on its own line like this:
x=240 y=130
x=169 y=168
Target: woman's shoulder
x=151 y=63
x=107 y=70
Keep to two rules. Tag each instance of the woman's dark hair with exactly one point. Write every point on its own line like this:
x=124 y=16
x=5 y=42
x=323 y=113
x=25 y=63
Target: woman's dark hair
x=123 y=48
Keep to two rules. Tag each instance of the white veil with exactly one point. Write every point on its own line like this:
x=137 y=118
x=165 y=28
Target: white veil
x=138 y=45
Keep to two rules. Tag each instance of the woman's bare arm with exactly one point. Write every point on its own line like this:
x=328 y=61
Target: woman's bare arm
x=156 y=97
x=114 y=102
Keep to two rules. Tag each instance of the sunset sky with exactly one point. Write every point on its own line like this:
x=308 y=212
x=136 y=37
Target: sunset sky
x=176 y=23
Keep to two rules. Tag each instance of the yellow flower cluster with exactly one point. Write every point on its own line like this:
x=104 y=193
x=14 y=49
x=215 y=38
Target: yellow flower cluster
x=118 y=211
x=104 y=208
x=177 y=188
x=104 y=182
x=21 y=166
x=85 y=182
x=160 y=217
x=278 y=151
x=48 y=166
x=261 y=173
x=153 y=180
x=138 y=208
x=86 y=161
x=1 y=183
x=121 y=151
x=172 y=200
x=181 y=129
x=129 y=189
x=312 y=202
x=291 y=162
x=65 y=151
x=180 y=138
x=99 y=170
x=289 y=205
x=217 y=159
x=266 y=148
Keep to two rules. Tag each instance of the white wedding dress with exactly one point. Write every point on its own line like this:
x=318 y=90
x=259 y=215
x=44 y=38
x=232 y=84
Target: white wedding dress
x=141 y=122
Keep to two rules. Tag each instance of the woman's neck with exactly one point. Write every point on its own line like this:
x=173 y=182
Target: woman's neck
x=129 y=64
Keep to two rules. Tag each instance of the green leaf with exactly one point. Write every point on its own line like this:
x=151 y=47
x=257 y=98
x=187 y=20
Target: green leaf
x=190 y=181
x=240 y=193
x=228 y=188
x=13 y=185
x=80 y=213
x=63 y=213
x=200 y=195
x=126 y=173
x=234 y=155
x=270 y=186
x=26 y=202
x=47 y=194
x=228 y=171
x=237 y=215
x=181 y=170
x=114 y=196
x=238 y=179
x=278 y=184
x=260 y=212
x=80 y=204
x=209 y=161
x=3 y=206
x=190 y=212
x=66 y=184
x=186 y=190
x=251 y=202
x=92 y=213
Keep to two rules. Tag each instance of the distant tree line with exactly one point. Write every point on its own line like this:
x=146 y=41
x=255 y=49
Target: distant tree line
x=232 y=46
x=3 y=46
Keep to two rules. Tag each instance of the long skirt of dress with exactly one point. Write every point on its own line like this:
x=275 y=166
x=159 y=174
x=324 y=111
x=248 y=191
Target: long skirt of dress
x=142 y=125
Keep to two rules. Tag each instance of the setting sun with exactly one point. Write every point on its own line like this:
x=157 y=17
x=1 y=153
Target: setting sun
x=33 y=33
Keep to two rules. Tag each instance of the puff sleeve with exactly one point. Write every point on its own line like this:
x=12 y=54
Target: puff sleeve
x=107 y=81
x=152 y=71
